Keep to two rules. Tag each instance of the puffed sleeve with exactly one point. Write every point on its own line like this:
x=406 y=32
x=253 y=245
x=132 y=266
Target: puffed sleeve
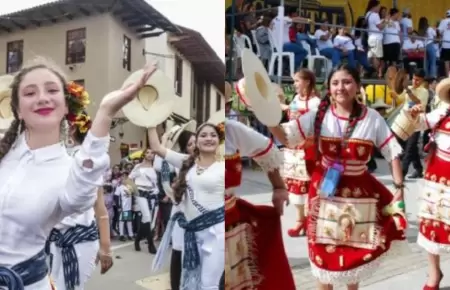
x=175 y=159
x=253 y=144
x=430 y=120
x=86 y=175
x=299 y=129
x=385 y=140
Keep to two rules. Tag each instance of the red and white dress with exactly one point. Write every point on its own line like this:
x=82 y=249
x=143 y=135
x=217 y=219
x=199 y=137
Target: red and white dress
x=348 y=234
x=255 y=257
x=299 y=161
x=434 y=202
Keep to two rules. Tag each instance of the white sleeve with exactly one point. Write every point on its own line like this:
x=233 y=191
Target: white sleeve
x=374 y=18
x=135 y=172
x=175 y=159
x=430 y=120
x=385 y=140
x=253 y=144
x=442 y=26
x=299 y=129
x=86 y=175
x=318 y=34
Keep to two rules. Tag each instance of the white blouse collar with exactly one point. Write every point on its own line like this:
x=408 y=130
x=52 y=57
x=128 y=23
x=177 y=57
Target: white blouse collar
x=47 y=153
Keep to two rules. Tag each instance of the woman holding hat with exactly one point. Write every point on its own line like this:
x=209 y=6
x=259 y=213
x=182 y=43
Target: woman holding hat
x=145 y=178
x=74 y=243
x=354 y=221
x=40 y=183
x=434 y=228
x=198 y=193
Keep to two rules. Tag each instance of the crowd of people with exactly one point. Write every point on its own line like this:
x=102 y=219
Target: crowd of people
x=392 y=39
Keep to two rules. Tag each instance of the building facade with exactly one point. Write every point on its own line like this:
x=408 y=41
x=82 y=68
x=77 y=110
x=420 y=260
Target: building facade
x=97 y=45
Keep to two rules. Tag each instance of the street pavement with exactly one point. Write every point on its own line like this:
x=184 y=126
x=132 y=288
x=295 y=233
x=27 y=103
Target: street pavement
x=132 y=270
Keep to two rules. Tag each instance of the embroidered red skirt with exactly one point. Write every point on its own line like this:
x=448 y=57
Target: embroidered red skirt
x=255 y=257
x=436 y=233
x=329 y=260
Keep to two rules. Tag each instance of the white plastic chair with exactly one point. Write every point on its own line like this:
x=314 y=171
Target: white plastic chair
x=319 y=64
x=255 y=41
x=241 y=42
x=275 y=57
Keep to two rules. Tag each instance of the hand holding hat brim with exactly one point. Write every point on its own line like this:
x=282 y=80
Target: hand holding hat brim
x=112 y=103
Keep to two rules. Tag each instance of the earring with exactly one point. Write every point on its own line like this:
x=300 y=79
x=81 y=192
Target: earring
x=64 y=131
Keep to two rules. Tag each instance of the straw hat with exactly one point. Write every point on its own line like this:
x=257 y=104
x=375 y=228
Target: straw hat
x=259 y=90
x=6 y=114
x=400 y=81
x=379 y=104
x=443 y=90
x=170 y=138
x=154 y=102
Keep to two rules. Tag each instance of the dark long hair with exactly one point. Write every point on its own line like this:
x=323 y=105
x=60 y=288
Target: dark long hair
x=423 y=26
x=180 y=185
x=326 y=103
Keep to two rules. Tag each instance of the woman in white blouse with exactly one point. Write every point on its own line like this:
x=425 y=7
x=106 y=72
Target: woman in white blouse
x=344 y=43
x=199 y=195
x=40 y=184
x=80 y=233
x=144 y=176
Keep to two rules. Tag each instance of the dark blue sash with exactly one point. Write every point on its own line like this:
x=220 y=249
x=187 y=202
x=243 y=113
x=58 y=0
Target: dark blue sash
x=25 y=273
x=208 y=219
x=66 y=242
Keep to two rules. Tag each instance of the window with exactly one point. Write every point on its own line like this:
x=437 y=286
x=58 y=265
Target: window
x=80 y=82
x=76 y=46
x=126 y=50
x=178 y=75
x=218 y=102
x=14 y=56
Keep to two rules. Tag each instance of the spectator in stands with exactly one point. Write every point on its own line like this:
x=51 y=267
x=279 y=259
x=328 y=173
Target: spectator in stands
x=250 y=22
x=323 y=37
x=360 y=52
x=444 y=30
x=343 y=42
x=383 y=12
x=262 y=37
x=288 y=45
x=229 y=29
x=375 y=38
x=425 y=30
x=406 y=24
x=391 y=40
x=302 y=35
x=413 y=51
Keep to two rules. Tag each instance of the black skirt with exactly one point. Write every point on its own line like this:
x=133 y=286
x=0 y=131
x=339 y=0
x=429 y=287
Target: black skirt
x=391 y=52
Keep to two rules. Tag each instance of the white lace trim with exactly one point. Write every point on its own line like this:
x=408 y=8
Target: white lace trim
x=271 y=160
x=293 y=134
x=432 y=247
x=391 y=150
x=298 y=199
x=357 y=275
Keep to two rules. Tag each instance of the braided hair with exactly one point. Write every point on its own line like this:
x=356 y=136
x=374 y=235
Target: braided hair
x=180 y=185
x=326 y=103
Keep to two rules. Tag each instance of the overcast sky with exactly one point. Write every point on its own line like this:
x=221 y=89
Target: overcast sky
x=205 y=16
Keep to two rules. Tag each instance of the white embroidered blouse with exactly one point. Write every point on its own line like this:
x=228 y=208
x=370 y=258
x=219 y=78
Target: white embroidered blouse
x=371 y=130
x=39 y=188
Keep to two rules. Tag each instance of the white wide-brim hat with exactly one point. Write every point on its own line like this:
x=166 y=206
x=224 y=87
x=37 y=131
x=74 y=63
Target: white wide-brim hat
x=170 y=138
x=259 y=90
x=443 y=90
x=154 y=102
x=6 y=113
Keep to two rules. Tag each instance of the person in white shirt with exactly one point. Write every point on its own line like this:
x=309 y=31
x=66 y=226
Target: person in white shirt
x=323 y=37
x=425 y=30
x=144 y=176
x=360 y=52
x=375 y=37
x=40 y=183
x=406 y=24
x=125 y=191
x=444 y=31
x=80 y=233
x=413 y=51
x=288 y=45
x=344 y=43
x=198 y=193
x=391 y=39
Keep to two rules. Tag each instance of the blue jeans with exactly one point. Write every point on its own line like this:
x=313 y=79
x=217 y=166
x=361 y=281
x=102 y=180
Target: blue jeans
x=299 y=53
x=361 y=58
x=350 y=57
x=430 y=61
x=312 y=42
x=333 y=54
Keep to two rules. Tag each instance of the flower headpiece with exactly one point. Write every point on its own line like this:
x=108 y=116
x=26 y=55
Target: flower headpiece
x=221 y=129
x=78 y=100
